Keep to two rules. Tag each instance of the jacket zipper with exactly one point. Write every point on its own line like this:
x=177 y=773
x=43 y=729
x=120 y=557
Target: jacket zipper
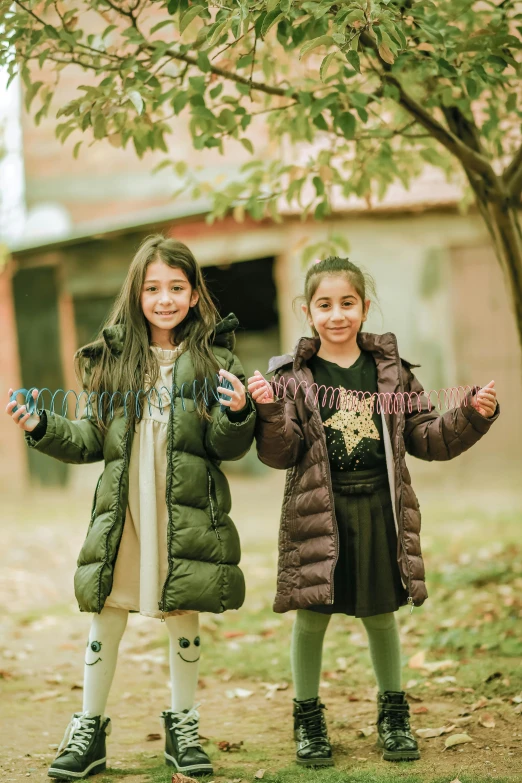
x=210 y=488
x=401 y=505
x=169 y=486
x=125 y=460
x=317 y=415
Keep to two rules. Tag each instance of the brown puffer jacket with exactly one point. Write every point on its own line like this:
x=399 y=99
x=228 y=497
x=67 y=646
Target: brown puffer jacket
x=290 y=435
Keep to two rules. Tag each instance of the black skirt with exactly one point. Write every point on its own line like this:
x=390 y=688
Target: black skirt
x=366 y=578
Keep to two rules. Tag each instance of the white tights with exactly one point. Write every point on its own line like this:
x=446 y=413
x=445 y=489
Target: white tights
x=102 y=653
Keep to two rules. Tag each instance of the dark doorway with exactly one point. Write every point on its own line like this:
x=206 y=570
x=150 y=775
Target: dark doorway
x=247 y=289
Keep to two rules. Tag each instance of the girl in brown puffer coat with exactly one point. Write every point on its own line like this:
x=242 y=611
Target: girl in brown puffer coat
x=349 y=540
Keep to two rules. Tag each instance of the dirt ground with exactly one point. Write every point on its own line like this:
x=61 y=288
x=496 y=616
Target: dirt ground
x=43 y=637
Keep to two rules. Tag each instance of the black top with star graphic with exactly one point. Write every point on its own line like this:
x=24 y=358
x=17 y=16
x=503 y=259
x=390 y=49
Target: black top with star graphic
x=353 y=433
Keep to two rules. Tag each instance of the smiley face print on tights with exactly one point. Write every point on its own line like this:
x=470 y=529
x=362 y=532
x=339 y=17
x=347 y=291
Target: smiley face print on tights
x=185 y=644
x=95 y=647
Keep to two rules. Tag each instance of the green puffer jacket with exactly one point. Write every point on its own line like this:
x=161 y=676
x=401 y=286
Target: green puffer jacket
x=203 y=543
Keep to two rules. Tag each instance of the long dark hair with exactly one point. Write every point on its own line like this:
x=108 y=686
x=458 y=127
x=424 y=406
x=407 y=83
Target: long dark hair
x=128 y=370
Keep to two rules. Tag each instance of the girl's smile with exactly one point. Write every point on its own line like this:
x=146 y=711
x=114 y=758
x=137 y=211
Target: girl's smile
x=336 y=313
x=166 y=298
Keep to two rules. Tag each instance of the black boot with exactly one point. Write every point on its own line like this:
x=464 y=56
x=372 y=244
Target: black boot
x=182 y=746
x=313 y=747
x=393 y=724
x=82 y=750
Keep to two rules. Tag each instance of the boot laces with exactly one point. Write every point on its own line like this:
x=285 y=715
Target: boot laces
x=397 y=720
x=312 y=724
x=78 y=734
x=186 y=727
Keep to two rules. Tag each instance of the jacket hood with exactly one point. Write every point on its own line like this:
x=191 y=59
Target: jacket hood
x=114 y=338
x=384 y=345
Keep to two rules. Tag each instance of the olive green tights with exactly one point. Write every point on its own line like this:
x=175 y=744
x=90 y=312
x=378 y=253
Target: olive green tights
x=307 y=649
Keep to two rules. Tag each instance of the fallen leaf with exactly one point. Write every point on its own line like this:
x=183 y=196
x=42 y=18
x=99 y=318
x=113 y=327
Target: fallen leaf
x=5 y=675
x=228 y=747
x=233 y=634
x=518 y=709
x=77 y=686
x=178 y=777
x=421 y=710
x=487 y=720
x=457 y=739
x=455 y=781
x=54 y=679
x=239 y=693
x=152 y=737
x=439 y=666
x=342 y=664
x=367 y=731
x=44 y=695
x=464 y=721
x=429 y=733
x=273 y=687
x=260 y=774
x=417 y=660
x=479 y=704
x=517 y=699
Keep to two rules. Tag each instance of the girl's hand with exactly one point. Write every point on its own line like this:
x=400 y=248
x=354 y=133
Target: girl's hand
x=237 y=394
x=485 y=400
x=25 y=420
x=260 y=389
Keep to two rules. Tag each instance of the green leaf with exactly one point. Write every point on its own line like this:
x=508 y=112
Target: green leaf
x=216 y=91
x=76 y=149
x=180 y=101
x=323 y=40
x=189 y=16
x=346 y=121
x=319 y=185
x=325 y=65
x=198 y=84
x=136 y=100
x=247 y=144
x=31 y=93
x=431 y=156
x=108 y=30
x=270 y=20
x=320 y=122
x=472 y=87
x=203 y=62
x=172 y=6
x=354 y=60
x=156 y=26
x=99 y=127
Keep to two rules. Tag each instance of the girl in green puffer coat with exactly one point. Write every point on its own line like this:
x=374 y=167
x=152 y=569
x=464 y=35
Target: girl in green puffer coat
x=160 y=540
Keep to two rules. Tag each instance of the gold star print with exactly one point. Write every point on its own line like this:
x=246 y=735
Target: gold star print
x=354 y=420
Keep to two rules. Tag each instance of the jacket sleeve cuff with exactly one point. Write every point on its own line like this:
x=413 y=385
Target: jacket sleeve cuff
x=39 y=431
x=237 y=417
x=268 y=411
x=477 y=420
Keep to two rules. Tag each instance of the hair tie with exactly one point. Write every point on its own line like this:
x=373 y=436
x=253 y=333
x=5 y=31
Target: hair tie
x=318 y=260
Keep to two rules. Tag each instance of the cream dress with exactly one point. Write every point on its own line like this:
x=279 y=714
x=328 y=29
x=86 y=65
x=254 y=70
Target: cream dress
x=141 y=565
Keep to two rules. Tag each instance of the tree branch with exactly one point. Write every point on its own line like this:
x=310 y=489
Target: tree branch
x=512 y=175
x=468 y=156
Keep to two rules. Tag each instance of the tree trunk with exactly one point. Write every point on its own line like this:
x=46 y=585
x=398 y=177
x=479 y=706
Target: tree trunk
x=503 y=222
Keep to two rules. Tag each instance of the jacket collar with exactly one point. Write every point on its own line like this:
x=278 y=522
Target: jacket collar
x=381 y=345
x=114 y=337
